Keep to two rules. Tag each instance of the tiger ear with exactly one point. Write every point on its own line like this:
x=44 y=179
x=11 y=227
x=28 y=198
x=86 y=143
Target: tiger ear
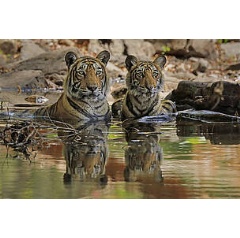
x=104 y=56
x=130 y=61
x=70 y=58
x=160 y=61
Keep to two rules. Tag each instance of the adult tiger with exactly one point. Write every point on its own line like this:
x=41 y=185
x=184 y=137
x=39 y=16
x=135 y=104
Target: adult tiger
x=85 y=88
x=144 y=81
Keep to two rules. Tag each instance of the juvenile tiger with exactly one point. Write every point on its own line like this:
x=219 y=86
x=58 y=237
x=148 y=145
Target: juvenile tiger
x=144 y=81
x=85 y=88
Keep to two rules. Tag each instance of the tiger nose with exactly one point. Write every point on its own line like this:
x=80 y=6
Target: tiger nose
x=92 y=88
x=150 y=87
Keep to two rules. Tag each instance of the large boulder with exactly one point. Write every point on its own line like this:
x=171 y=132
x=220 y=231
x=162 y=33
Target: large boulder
x=231 y=51
x=30 y=49
x=119 y=49
x=23 y=78
x=220 y=96
x=37 y=72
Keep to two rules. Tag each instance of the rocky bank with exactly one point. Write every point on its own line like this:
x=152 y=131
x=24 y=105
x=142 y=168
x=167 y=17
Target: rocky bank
x=38 y=65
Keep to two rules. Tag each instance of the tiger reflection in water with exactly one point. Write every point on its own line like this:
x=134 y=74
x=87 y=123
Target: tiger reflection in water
x=85 y=152
x=143 y=155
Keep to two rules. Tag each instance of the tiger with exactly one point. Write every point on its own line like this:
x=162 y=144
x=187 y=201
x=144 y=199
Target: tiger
x=85 y=88
x=144 y=81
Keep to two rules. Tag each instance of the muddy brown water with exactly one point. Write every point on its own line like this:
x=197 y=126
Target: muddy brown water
x=142 y=160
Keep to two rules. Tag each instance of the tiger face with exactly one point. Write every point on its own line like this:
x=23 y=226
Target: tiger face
x=86 y=79
x=144 y=78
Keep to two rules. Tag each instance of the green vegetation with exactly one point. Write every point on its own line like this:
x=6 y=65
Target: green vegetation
x=222 y=41
x=166 y=48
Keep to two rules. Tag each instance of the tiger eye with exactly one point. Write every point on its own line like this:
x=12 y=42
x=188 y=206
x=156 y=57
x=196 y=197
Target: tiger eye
x=80 y=73
x=99 y=72
x=155 y=74
x=139 y=75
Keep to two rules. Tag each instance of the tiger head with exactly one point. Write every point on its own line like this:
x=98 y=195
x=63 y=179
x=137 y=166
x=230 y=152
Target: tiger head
x=86 y=77
x=144 y=77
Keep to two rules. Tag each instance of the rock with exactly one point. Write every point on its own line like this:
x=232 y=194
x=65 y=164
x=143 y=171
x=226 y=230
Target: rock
x=29 y=50
x=184 y=48
x=119 y=49
x=44 y=71
x=170 y=83
x=168 y=44
x=8 y=47
x=206 y=47
x=220 y=96
x=233 y=67
x=182 y=75
x=201 y=66
x=141 y=49
x=231 y=51
x=116 y=48
x=49 y=62
x=55 y=78
x=2 y=61
x=24 y=78
x=66 y=42
x=113 y=71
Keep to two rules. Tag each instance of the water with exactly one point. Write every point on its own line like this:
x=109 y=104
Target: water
x=130 y=160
